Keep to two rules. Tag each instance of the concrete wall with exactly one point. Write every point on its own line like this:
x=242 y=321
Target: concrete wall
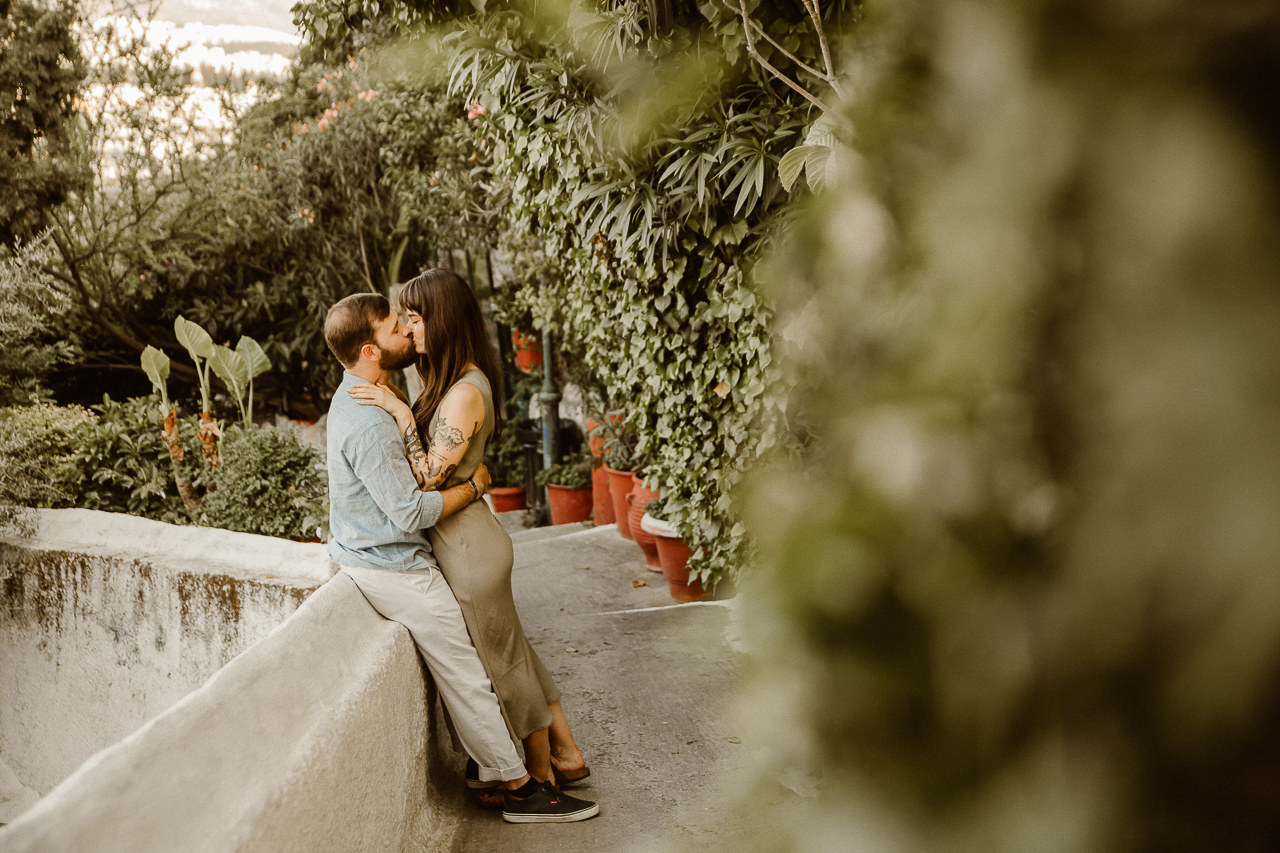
x=314 y=738
x=110 y=620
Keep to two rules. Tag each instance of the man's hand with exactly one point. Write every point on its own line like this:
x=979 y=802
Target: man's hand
x=482 y=480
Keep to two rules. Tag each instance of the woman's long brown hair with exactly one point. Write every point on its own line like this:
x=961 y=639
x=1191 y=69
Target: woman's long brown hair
x=454 y=334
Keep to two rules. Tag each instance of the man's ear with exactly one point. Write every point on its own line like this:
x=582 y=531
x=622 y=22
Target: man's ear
x=370 y=352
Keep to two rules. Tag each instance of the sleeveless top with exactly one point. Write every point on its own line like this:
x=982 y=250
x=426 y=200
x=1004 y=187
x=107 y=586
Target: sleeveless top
x=475 y=449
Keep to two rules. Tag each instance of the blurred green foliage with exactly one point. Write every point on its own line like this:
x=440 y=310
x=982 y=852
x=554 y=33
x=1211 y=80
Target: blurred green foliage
x=30 y=345
x=573 y=473
x=504 y=458
x=1022 y=592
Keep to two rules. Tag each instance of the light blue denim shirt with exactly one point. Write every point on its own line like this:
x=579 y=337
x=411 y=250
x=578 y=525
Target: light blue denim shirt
x=377 y=513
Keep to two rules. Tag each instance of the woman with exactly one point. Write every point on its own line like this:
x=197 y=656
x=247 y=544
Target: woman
x=456 y=416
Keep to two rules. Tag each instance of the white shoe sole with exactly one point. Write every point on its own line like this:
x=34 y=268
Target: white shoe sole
x=581 y=814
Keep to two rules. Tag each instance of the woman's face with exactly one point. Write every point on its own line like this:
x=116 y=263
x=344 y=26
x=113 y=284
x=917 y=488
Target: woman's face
x=413 y=320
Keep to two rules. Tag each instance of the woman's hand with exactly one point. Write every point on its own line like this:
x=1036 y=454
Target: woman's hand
x=385 y=398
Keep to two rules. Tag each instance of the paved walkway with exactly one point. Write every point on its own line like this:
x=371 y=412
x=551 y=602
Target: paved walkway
x=645 y=686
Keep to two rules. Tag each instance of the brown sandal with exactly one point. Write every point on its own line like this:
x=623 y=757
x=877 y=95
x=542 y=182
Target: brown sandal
x=562 y=778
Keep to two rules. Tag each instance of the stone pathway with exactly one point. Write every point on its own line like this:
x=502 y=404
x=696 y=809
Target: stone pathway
x=645 y=686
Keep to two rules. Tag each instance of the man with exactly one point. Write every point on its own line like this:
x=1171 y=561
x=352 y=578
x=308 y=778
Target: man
x=377 y=514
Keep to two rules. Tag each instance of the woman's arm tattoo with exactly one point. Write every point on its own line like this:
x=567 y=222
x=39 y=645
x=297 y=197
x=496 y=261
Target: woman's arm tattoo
x=447 y=437
x=418 y=459
x=431 y=466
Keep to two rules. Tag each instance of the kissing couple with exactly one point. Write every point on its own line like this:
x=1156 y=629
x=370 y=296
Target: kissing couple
x=409 y=528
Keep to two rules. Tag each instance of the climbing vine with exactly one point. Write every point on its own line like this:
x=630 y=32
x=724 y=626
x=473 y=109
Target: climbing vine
x=639 y=176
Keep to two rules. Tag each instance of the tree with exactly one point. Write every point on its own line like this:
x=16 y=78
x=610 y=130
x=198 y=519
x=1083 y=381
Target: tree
x=29 y=347
x=41 y=72
x=140 y=139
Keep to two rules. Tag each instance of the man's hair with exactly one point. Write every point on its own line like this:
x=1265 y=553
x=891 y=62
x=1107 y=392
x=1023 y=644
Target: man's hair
x=352 y=323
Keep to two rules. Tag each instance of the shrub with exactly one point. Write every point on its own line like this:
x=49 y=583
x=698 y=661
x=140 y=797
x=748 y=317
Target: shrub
x=119 y=463
x=35 y=449
x=270 y=482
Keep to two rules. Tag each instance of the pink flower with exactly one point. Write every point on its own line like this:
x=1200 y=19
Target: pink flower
x=143 y=276
x=474 y=111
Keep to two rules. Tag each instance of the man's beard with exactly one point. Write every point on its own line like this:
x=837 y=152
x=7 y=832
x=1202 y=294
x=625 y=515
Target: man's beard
x=390 y=361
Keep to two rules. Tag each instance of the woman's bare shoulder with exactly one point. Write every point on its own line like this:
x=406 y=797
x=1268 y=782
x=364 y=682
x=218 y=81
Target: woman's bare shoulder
x=463 y=400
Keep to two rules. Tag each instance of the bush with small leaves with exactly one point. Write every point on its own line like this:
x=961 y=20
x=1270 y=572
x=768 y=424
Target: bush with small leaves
x=35 y=452
x=119 y=463
x=270 y=482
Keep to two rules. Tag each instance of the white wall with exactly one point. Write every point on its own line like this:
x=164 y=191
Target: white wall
x=314 y=738
x=111 y=619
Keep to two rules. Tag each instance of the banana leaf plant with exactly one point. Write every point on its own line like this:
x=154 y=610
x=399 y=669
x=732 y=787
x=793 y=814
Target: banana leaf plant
x=156 y=365
x=201 y=348
x=237 y=368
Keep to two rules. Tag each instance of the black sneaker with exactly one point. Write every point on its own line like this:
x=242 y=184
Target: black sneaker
x=547 y=804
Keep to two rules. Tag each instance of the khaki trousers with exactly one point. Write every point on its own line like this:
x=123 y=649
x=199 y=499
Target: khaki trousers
x=422 y=601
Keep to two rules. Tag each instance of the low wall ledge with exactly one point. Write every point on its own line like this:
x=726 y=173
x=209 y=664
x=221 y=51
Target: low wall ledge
x=204 y=550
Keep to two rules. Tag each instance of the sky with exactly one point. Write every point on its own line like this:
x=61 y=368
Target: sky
x=252 y=36
x=273 y=14
x=247 y=35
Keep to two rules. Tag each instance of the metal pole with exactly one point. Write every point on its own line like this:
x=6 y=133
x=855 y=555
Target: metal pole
x=549 y=397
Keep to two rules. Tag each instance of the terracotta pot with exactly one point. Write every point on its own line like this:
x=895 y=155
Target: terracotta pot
x=528 y=350
x=674 y=554
x=601 y=498
x=619 y=487
x=507 y=498
x=646 y=540
x=643 y=493
x=596 y=442
x=568 y=505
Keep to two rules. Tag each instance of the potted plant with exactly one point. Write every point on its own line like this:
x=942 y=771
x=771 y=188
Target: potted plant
x=639 y=497
x=673 y=554
x=601 y=498
x=568 y=489
x=527 y=349
x=506 y=468
x=620 y=463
